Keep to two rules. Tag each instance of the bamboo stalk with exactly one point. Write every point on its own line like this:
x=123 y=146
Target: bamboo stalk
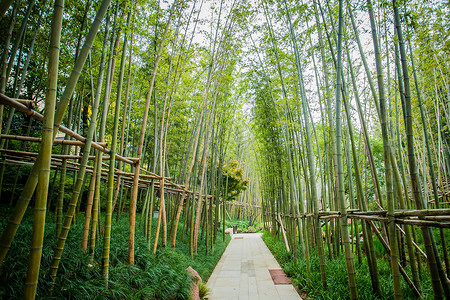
x=40 y=206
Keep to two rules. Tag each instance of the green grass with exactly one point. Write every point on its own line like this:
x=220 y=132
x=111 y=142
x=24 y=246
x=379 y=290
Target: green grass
x=337 y=275
x=160 y=276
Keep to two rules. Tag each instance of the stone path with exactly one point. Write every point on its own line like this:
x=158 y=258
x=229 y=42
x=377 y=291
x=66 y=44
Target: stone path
x=243 y=272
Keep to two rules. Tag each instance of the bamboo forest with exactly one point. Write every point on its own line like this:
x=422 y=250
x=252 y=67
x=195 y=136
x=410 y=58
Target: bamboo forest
x=149 y=147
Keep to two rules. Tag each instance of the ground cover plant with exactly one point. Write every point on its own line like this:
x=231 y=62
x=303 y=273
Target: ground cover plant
x=337 y=275
x=160 y=276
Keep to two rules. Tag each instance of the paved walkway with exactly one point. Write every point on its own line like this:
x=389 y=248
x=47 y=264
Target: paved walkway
x=243 y=272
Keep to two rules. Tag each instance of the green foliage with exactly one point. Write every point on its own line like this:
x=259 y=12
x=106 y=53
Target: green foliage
x=337 y=275
x=160 y=276
x=244 y=225
x=233 y=180
x=203 y=290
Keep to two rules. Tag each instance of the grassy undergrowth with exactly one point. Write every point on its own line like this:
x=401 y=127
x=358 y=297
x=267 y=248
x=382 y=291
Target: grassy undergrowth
x=337 y=275
x=160 y=276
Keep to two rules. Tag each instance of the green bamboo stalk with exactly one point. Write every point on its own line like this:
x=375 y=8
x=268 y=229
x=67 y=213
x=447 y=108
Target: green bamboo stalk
x=293 y=192
x=37 y=238
x=387 y=161
x=434 y=262
x=17 y=43
x=112 y=160
x=202 y=178
x=351 y=273
x=87 y=216
x=30 y=185
x=196 y=139
x=368 y=239
x=162 y=157
x=3 y=65
x=82 y=169
x=373 y=170
x=430 y=161
x=314 y=198
x=400 y=182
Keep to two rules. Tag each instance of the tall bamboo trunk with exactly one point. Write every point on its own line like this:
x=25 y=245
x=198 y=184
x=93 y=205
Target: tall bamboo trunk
x=368 y=239
x=430 y=162
x=40 y=206
x=82 y=169
x=351 y=273
x=387 y=161
x=434 y=263
x=30 y=185
x=112 y=160
x=310 y=156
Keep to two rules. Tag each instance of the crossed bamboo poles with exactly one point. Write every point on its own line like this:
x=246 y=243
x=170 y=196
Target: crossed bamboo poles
x=13 y=156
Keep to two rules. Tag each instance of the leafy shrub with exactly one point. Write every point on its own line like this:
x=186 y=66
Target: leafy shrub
x=244 y=226
x=251 y=229
x=203 y=290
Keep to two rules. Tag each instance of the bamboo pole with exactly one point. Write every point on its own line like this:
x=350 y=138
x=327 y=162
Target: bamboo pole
x=40 y=206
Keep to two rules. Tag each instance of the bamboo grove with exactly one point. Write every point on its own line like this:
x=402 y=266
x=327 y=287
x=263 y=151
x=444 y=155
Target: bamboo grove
x=135 y=110
x=350 y=102
x=326 y=120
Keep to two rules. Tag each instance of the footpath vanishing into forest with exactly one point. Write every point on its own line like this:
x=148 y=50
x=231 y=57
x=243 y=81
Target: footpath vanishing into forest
x=247 y=270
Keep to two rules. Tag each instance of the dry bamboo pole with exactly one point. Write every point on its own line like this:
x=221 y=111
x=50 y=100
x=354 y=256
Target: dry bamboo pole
x=98 y=146
x=45 y=152
x=55 y=142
